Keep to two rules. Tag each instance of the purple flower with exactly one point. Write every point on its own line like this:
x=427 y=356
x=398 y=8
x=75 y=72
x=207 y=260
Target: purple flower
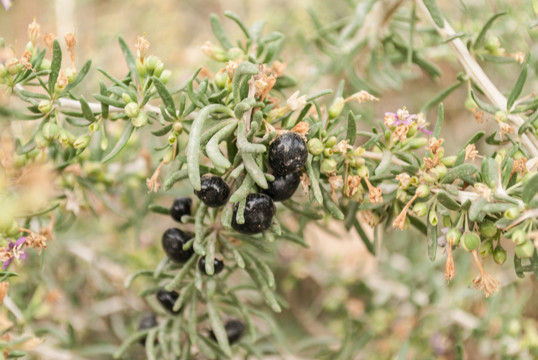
x=403 y=117
x=6 y=3
x=15 y=248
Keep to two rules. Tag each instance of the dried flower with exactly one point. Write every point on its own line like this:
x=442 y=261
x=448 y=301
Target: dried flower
x=305 y=182
x=478 y=115
x=471 y=152
x=301 y=128
x=342 y=147
x=434 y=144
x=4 y=286
x=520 y=165
x=404 y=179
x=399 y=222
x=352 y=185
x=231 y=66
x=484 y=281
x=153 y=183
x=25 y=60
x=361 y=96
x=33 y=32
x=518 y=56
x=483 y=190
x=35 y=240
x=296 y=102
x=400 y=133
x=142 y=46
x=336 y=182
x=374 y=194
x=505 y=128
x=62 y=81
x=48 y=39
x=450 y=268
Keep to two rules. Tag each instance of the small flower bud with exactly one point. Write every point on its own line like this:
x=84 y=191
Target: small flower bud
x=71 y=75
x=103 y=144
x=430 y=177
x=356 y=162
x=357 y=152
x=423 y=191
x=336 y=108
x=432 y=218
x=453 y=235
x=40 y=140
x=470 y=104
x=140 y=68
x=139 y=120
x=151 y=62
x=221 y=79
x=177 y=128
x=168 y=155
x=449 y=161
x=132 y=109
x=172 y=139
x=327 y=152
x=486 y=248
x=525 y=250
x=45 y=106
x=420 y=209
x=159 y=68
x=412 y=130
x=45 y=65
x=441 y=170
x=165 y=76
x=488 y=229
x=519 y=236
x=50 y=130
x=499 y=255
x=363 y=171
x=13 y=66
x=328 y=166
x=501 y=116
x=127 y=98
x=417 y=143
x=512 y=213
x=315 y=146
x=331 y=141
x=81 y=142
x=492 y=44
x=470 y=241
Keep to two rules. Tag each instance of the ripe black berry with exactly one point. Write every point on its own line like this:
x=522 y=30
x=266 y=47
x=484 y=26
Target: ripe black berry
x=288 y=153
x=180 y=207
x=218 y=266
x=259 y=211
x=214 y=192
x=147 y=322
x=173 y=240
x=284 y=186
x=168 y=299
x=234 y=331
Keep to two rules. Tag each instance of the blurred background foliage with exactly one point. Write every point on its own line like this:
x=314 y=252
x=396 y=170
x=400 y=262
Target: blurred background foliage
x=395 y=305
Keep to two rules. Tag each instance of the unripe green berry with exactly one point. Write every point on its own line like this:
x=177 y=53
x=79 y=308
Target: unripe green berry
x=499 y=255
x=50 y=130
x=315 y=146
x=363 y=171
x=470 y=241
x=420 y=209
x=71 y=75
x=417 y=143
x=423 y=191
x=140 y=120
x=501 y=116
x=357 y=152
x=165 y=76
x=486 y=248
x=519 y=236
x=441 y=170
x=487 y=229
x=430 y=177
x=45 y=106
x=453 y=235
x=331 y=141
x=433 y=219
x=356 y=162
x=492 y=44
x=81 y=142
x=512 y=213
x=336 y=108
x=132 y=109
x=525 y=250
x=328 y=166
x=327 y=152
x=177 y=128
x=127 y=98
x=449 y=160
x=172 y=139
x=470 y=104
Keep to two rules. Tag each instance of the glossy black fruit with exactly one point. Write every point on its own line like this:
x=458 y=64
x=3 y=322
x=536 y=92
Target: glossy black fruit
x=180 y=207
x=173 y=240
x=214 y=192
x=259 y=211
x=284 y=186
x=234 y=331
x=168 y=299
x=147 y=322
x=218 y=266
x=288 y=153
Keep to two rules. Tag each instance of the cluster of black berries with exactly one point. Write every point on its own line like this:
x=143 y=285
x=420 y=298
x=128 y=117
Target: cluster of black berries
x=287 y=156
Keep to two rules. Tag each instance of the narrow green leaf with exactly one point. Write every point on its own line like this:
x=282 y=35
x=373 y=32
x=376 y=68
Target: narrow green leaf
x=384 y=163
x=530 y=190
x=235 y=18
x=80 y=75
x=120 y=144
x=528 y=123
x=491 y=109
x=370 y=246
x=351 y=132
x=447 y=201
x=165 y=96
x=159 y=209
x=440 y=120
x=331 y=206
x=435 y=12
x=109 y=101
x=219 y=32
x=441 y=96
x=518 y=87
x=489 y=169
x=129 y=58
x=55 y=66
x=481 y=38
x=432 y=234
x=86 y=110
x=458 y=172
x=476 y=208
